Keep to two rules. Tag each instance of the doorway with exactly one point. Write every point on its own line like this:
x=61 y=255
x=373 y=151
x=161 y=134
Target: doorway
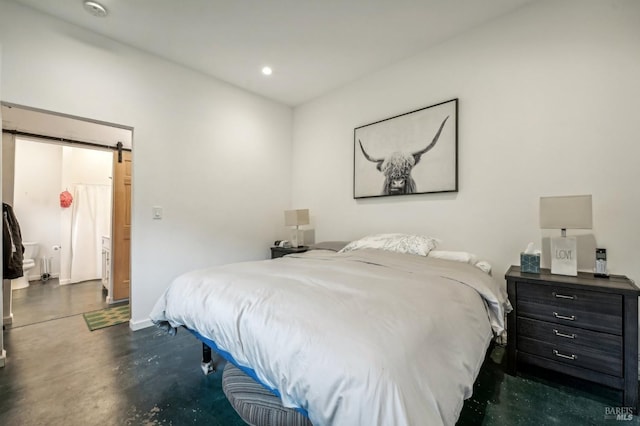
x=78 y=266
x=67 y=237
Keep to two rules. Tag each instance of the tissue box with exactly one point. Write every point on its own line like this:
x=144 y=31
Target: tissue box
x=530 y=263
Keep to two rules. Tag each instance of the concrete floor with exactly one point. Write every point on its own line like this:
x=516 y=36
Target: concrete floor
x=60 y=373
x=536 y=397
x=44 y=301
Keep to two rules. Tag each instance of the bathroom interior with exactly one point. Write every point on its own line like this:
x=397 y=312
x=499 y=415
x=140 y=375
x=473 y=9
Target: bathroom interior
x=67 y=246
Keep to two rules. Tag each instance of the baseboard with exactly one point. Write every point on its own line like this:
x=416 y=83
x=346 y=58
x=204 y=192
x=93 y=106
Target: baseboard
x=39 y=277
x=66 y=281
x=139 y=325
x=3 y=358
x=8 y=319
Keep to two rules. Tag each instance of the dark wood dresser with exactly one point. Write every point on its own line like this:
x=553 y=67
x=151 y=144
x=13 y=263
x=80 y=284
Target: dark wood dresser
x=283 y=251
x=583 y=326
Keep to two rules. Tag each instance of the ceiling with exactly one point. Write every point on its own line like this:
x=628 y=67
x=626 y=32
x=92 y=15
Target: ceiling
x=313 y=46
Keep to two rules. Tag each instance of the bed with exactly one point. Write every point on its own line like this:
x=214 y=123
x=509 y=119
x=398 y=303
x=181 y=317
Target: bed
x=366 y=336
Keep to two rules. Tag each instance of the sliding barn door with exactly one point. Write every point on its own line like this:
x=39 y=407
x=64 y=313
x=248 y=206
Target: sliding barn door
x=121 y=232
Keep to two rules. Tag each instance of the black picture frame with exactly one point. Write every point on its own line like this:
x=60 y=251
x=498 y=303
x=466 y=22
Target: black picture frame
x=411 y=153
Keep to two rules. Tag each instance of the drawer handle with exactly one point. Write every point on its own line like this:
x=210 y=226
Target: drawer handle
x=568 y=336
x=558 y=354
x=564 y=296
x=562 y=317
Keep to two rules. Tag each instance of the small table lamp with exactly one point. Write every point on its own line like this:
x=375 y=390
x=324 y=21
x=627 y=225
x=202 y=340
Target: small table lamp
x=296 y=218
x=566 y=212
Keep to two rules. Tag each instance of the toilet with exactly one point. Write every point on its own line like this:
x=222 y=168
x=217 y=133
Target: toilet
x=28 y=262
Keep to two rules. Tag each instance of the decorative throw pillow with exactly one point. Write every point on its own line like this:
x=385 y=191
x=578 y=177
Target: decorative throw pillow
x=398 y=243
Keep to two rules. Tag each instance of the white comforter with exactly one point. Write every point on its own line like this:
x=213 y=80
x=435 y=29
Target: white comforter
x=360 y=338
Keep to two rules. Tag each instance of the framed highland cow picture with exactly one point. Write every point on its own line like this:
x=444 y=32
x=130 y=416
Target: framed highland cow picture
x=411 y=153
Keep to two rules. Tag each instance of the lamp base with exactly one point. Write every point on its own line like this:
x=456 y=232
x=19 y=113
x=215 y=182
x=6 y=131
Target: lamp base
x=564 y=256
x=297 y=238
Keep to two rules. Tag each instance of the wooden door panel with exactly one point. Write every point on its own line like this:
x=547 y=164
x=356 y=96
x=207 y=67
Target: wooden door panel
x=121 y=245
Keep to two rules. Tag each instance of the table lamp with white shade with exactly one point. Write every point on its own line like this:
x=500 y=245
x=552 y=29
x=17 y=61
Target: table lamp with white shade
x=565 y=212
x=296 y=218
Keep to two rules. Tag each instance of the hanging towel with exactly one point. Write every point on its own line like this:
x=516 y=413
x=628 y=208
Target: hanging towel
x=13 y=250
x=90 y=221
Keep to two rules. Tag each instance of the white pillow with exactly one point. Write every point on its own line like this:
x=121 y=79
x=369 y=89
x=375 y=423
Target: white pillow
x=484 y=265
x=462 y=256
x=457 y=256
x=398 y=243
x=329 y=245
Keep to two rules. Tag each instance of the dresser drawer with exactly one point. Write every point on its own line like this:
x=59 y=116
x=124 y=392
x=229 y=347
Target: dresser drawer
x=578 y=356
x=572 y=307
x=570 y=336
x=583 y=326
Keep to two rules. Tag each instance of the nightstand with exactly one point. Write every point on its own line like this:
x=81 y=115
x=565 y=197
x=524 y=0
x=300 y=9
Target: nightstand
x=282 y=251
x=583 y=326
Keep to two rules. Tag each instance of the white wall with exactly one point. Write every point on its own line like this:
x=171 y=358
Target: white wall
x=549 y=101
x=36 y=204
x=216 y=158
x=87 y=166
x=3 y=354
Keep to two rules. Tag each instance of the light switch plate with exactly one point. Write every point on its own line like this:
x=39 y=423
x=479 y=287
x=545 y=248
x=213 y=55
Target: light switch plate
x=157 y=212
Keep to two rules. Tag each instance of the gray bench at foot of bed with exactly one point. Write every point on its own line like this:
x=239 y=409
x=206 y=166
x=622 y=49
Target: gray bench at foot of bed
x=255 y=404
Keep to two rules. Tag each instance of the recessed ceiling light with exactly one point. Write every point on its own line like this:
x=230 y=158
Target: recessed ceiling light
x=95 y=8
x=267 y=70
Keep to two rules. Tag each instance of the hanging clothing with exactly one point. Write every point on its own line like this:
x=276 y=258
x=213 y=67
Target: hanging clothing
x=12 y=248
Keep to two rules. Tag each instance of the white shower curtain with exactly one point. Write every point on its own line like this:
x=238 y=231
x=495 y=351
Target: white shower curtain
x=90 y=221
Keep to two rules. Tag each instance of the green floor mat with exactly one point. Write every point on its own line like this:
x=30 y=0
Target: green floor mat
x=106 y=317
